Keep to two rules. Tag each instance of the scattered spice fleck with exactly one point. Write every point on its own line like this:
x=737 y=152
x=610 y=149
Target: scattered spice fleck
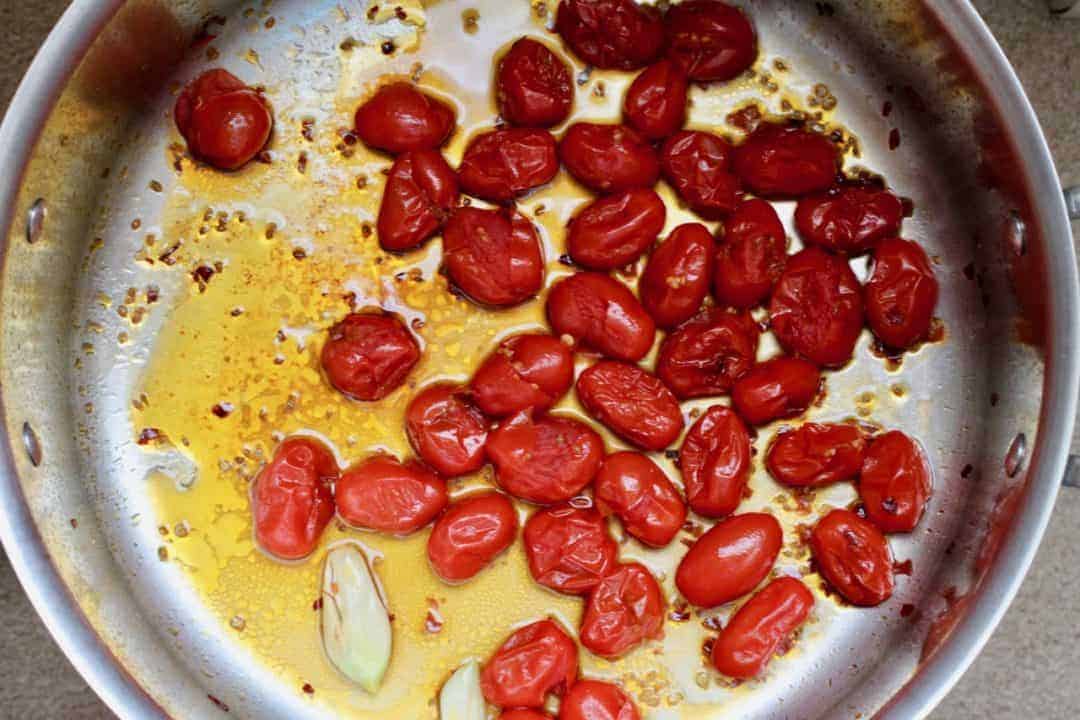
x=308 y=689
x=894 y=138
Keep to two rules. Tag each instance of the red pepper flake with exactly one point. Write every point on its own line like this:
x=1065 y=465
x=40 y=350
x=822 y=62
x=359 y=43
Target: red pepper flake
x=308 y=689
x=167 y=256
x=317 y=605
x=903 y=568
x=221 y=706
x=712 y=623
x=222 y=410
x=694 y=529
x=202 y=275
x=74 y=523
x=432 y=623
x=149 y=435
x=707 y=646
x=680 y=612
x=906 y=609
x=966 y=472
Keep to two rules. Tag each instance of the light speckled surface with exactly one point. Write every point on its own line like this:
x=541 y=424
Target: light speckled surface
x=1028 y=670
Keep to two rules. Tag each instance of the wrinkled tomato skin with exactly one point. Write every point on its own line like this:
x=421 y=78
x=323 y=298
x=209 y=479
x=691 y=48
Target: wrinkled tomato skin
x=533 y=86
x=369 y=356
x=493 y=256
x=524 y=714
x=753 y=635
x=751 y=255
x=624 y=610
x=698 y=166
x=853 y=557
x=901 y=293
x=536 y=660
x=384 y=494
x=779 y=162
x=782 y=387
x=655 y=103
x=895 y=482
x=595 y=700
x=525 y=372
x=470 y=535
x=399 y=118
x=224 y=122
x=292 y=500
x=632 y=403
x=849 y=219
x=676 y=278
x=613 y=231
x=632 y=487
x=710 y=40
x=708 y=353
x=730 y=559
x=501 y=165
x=608 y=158
x=420 y=193
x=544 y=459
x=816 y=309
x=715 y=462
x=816 y=454
x=601 y=314
x=447 y=431
x=569 y=549
x=611 y=34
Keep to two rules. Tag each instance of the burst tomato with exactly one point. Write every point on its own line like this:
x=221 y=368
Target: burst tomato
x=382 y=493
x=525 y=372
x=730 y=559
x=639 y=493
x=447 y=431
x=901 y=293
x=611 y=34
x=595 y=700
x=614 y=231
x=470 y=535
x=782 y=387
x=532 y=85
x=369 y=356
x=568 y=548
x=715 y=462
x=420 y=192
x=399 y=118
x=655 y=103
x=632 y=403
x=751 y=255
x=624 y=610
x=225 y=122
x=493 y=256
x=608 y=158
x=853 y=557
x=536 y=660
x=698 y=166
x=895 y=482
x=710 y=40
x=708 y=353
x=601 y=314
x=816 y=454
x=756 y=631
x=848 y=218
x=779 y=161
x=292 y=500
x=676 y=278
x=501 y=165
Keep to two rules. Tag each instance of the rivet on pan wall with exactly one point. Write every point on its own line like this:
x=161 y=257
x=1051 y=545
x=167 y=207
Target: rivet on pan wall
x=1016 y=233
x=1014 y=459
x=31 y=443
x=35 y=221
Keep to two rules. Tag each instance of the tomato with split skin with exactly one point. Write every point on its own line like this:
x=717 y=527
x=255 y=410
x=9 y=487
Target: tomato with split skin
x=751 y=255
x=568 y=548
x=532 y=85
x=447 y=431
x=493 y=256
x=710 y=40
x=608 y=158
x=632 y=403
x=849 y=218
x=368 y=356
x=399 y=117
x=384 y=494
x=853 y=557
x=817 y=454
x=528 y=371
x=676 y=278
x=601 y=314
x=470 y=535
x=655 y=103
x=632 y=487
x=611 y=34
x=715 y=462
x=292 y=499
x=698 y=166
x=501 y=165
x=613 y=231
x=900 y=294
x=421 y=191
x=705 y=355
x=224 y=122
x=625 y=609
x=895 y=482
x=784 y=161
x=535 y=661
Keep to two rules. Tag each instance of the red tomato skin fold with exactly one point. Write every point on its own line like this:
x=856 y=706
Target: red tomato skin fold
x=611 y=34
x=782 y=387
x=751 y=255
x=524 y=714
x=631 y=486
x=730 y=559
x=501 y=165
x=601 y=314
x=470 y=535
x=624 y=610
x=369 y=356
x=493 y=256
x=900 y=294
x=655 y=103
x=446 y=430
x=715 y=462
x=853 y=557
x=779 y=162
x=750 y=639
x=613 y=231
x=525 y=372
x=708 y=353
x=595 y=700
x=676 y=278
x=533 y=86
x=420 y=193
x=384 y=494
x=608 y=158
x=710 y=40
x=535 y=660
x=224 y=122
x=399 y=118
x=815 y=454
x=569 y=549
x=895 y=482
x=291 y=500
x=545 y=459
x=632 y=403
x=698 y=166
x=849 y=219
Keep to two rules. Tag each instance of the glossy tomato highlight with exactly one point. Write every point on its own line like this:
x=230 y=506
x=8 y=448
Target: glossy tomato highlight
x=782 y=161
x=676 y=278
x=421 y=191
x=224 y=122
x=470 y=535
x=715 y=462
x=368 y=356
x=708 y=353
x=900 y=294
x=536 y=660
x=292 y=500
x=601 y=314
x=608 y=158
x=632 y=487
x=730 y=559
x=613 y=231
x=655 y=103
x=849 y=218
x=447 y=431
x=895 y=482
x=596 y=700
x=625 y=609
x=568 y=548
x=398 y=117
x=525 y=372
x=782 y=387
x=853 y=557
x=816 y=454
x=754 y=634
x=382 y=493
x=698 y=166
x=710 y=40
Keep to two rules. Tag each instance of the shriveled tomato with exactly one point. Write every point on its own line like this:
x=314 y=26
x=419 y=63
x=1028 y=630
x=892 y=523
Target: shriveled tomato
x=613 y=231
x=708 y=353
x=611 y=34
x=500 y=165
x=782 y=161
x=715 y=462
x=447 y=431
x=225 y=122
x=817 y=308
x=751 y=255
x=382 y=493
x=536 y=660
x=895 y=482
x=816 y=454
x=624 y=610
x=608 y=158
x=420 y=192
x=493 y=256
x=532 y=85
x=698 y=166
x=525 y=372
x=544 y=459
x=470 y=534
x=569 y=548
x=901 y=293
x=710 y=40
x=399 y=117
x=369 y=356
x=730 y=559
x=849 y=218
x=782 y=387
x=595 y=700
x=632 y=403
x=676 y=278
x=602 y=314
x=655 y=103
x=639 y=493
x=292 y=500
x=754 y=634
x=853 y=557
x=524 y=714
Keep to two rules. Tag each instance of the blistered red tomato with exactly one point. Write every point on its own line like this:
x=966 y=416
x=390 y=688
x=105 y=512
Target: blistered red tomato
x=613 y=231
x=708 y=353
x=382 y=493
x=901 y=293
x=534 y=661
x=715 y=462
x=292 y=500
x=779 y=388
x=420 y=192
x=525 y=372
x=524 y=714
x=698 y=166
x=676 y=278
x=655 y=103
x=816 y=454
x=399 y=117
x=602 y=314
x=493 y=256
x=611 y=34
x=757 y=630
x=447 y=431
x=710 y=40
x=595 y=700
x=639 y=493
x=501 y=165
x=895 y=482
x=853 y=557
x=751 y=255
x=532 y=85
x=470 y=535
x=632 y=403
x=608 y=158
x=624 y=610
x=779 y=161
x=568 y=548
x=225 y=122
x=730 y=559
x=369 y=356
x=848 y=218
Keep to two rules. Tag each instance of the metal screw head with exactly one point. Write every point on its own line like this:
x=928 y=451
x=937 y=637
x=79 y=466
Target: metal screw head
x=1016 y=233
x=31 y=443
x=35 y=221
x=1014 y=458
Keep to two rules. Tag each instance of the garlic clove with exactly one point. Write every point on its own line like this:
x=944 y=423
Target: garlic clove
x=461 y=697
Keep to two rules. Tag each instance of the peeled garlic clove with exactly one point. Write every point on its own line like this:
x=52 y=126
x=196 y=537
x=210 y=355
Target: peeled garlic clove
x=355 y=622
x=461 y=697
